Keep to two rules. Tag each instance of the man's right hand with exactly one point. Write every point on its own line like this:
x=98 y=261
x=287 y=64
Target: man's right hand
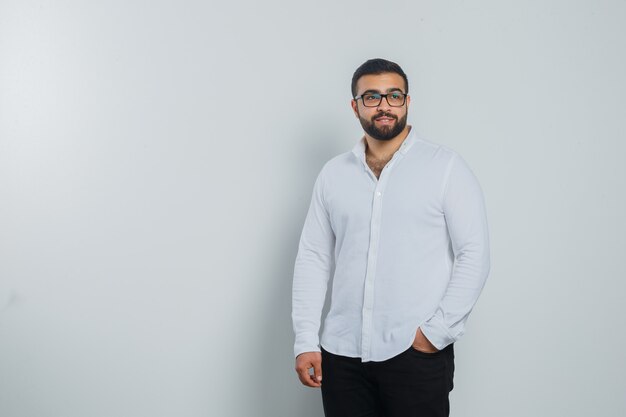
x=306 y=361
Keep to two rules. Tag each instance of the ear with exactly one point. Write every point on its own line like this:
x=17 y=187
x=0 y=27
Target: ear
x=355 y=109
x=408 y=101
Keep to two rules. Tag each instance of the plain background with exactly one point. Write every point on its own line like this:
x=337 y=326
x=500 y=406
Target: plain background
x=157 y=160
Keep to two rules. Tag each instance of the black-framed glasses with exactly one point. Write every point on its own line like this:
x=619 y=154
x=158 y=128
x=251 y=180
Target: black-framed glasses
x=395 y=99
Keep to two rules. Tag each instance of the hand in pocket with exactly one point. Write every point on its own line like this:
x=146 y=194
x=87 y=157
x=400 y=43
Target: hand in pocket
x=421 y=343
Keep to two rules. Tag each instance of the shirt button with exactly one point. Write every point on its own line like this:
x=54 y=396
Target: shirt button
x=378 y=193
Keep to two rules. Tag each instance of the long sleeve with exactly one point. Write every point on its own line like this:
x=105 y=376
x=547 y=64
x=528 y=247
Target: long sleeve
x=466 y=220
x=313 y=266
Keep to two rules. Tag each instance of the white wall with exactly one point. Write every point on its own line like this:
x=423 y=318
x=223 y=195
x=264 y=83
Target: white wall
x=150 y=209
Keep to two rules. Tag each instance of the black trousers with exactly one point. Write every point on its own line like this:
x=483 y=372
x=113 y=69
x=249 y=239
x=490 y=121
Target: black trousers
x=411 y=384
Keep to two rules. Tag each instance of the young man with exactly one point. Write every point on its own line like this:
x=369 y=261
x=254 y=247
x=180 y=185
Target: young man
x=400 y=224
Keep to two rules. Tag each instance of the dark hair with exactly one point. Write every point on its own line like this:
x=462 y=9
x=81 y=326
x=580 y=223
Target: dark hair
x=377 y=66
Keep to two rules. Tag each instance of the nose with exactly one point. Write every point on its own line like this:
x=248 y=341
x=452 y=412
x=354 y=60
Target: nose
x=384 y=104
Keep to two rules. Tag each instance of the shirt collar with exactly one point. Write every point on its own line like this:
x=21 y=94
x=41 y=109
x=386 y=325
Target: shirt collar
x=359 y=148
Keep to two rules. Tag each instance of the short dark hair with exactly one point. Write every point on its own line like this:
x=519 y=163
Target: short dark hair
x=377 y=66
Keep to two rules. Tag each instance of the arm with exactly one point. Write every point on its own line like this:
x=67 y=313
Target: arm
x=311 y=272
x=464 y=211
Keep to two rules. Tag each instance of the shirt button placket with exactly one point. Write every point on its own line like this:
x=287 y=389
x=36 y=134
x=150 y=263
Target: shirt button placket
x=368 y=295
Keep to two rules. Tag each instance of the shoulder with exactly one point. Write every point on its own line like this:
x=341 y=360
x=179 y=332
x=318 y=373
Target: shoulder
x=338 y=163
x=442 y=159
x=435 y=151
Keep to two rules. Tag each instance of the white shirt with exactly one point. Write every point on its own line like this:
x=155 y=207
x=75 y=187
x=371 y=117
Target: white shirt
x=407 y=250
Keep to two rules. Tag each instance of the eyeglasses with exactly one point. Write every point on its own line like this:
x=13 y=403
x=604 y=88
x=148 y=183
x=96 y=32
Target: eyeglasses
x=395 y=99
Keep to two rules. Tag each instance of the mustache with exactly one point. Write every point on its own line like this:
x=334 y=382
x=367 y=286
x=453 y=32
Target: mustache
x=389 y=115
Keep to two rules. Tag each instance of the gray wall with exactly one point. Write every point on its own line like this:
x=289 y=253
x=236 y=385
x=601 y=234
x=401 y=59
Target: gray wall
x=156 y=164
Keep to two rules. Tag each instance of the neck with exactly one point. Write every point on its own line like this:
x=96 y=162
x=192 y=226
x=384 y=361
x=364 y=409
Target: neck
x=380 y=149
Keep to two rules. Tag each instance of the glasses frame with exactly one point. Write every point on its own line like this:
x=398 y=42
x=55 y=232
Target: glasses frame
x=381 y=98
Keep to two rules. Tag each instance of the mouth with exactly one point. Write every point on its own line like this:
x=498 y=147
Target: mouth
x=385 y=120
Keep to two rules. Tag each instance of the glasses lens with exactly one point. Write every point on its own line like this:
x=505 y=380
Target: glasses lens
x=395 y=99
x=371 y=100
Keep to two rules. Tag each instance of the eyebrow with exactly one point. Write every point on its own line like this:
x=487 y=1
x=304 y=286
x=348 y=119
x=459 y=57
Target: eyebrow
x=389 y=90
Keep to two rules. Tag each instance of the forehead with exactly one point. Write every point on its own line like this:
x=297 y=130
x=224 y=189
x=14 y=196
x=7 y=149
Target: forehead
x=380 y=82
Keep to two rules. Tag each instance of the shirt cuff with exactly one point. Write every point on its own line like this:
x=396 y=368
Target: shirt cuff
x=306 y=342
x=437 y=332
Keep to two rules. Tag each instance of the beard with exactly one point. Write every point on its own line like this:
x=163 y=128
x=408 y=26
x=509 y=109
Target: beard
x=383 y=132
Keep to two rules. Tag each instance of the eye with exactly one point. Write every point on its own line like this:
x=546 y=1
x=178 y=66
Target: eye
x=371 y=97
x=396 y=96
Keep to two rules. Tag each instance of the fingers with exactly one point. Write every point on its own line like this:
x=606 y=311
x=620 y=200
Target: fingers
x=308 y=380
x=317 y=372
x=306 y=361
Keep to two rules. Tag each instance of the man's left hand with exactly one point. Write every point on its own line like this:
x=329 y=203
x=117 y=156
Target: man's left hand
x=422 y=344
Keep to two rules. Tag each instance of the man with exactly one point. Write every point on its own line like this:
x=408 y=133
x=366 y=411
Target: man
x=400 y=224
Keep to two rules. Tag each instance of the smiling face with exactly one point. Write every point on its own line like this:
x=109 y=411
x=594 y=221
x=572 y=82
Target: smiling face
x=383 y=122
